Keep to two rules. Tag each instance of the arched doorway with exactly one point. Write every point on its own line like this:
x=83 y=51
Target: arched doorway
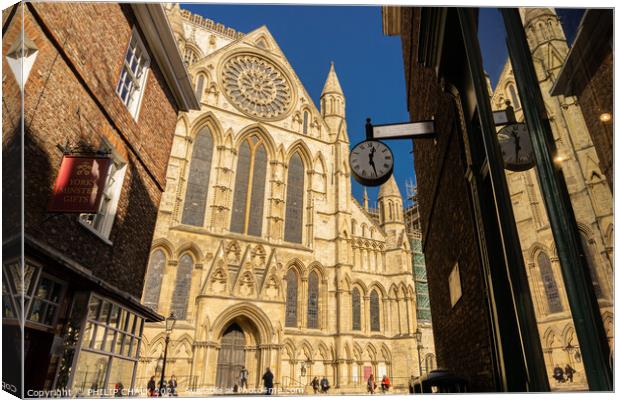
x=231 y=357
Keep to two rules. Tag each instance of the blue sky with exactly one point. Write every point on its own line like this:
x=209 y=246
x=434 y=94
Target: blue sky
x=369 y=64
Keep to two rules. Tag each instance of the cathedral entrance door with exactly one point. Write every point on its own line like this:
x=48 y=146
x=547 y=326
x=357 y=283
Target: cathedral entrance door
x=231 y=357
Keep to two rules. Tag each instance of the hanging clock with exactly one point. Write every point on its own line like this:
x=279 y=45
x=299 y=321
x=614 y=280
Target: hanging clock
x=514 y=141
x=371 y=162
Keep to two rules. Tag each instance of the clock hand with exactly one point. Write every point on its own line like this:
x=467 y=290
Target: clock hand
x=517 y=147
x=372 y=163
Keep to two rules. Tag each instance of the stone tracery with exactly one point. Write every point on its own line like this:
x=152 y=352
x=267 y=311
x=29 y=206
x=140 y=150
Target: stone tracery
x=256 y=86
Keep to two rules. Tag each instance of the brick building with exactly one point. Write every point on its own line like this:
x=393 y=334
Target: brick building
x=110 y=90
x=588 y=74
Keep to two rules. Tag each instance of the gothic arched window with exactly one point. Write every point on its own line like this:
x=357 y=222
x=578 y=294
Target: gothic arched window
x=390 y=211
x=293 y=220
x=291 y=298
x=590 y=251
x=313 y=300
x=305 y=122
x=154 y=275
x=356 y=306
x=180 y=296
x=513 y=96
x=551 y=287
x=249 y=196
x=200 y=83
x=375 y=317
x=198 y=180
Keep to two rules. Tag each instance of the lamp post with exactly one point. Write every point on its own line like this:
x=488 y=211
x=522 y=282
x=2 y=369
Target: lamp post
x=418 y=339
x=170 y=321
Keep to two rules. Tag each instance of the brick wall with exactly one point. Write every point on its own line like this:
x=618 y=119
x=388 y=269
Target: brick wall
x=462 y=333
x=11 y=143
x=81 y=50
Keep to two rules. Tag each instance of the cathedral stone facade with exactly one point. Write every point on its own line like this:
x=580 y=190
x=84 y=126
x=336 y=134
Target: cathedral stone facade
x=260 y=250
x=589 y=192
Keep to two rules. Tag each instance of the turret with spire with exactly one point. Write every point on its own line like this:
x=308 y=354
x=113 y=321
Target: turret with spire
x=332 y=102
x=390 y=204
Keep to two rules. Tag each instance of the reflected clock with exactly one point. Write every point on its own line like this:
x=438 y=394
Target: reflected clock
x=371 y=162
x=514 y=141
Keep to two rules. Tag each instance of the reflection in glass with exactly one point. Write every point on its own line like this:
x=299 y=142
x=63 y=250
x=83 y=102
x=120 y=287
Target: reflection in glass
x=89 y=374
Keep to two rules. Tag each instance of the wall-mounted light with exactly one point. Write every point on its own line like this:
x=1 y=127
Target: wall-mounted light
x=20 y=57
x=605 y=117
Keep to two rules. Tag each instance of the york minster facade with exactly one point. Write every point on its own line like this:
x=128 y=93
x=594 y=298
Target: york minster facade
x=590 y=196
x=260 y=250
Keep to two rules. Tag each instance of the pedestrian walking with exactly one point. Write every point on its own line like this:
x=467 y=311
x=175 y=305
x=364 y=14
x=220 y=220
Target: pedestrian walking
x=569 y=371
x=411 y=384
x=324 y=385
x=558 y=374
x=268 y=382
x=150 y=387
x=243 y=378
x=385 y=384
x=172 y=386
x=118 y=389
x=371 y=385
x=315 y=384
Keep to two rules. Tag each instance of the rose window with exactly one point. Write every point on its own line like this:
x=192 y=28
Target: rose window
x=256 y=86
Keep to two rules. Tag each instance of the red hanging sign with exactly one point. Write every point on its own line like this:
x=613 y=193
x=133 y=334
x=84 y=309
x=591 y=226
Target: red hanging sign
x=79 y=184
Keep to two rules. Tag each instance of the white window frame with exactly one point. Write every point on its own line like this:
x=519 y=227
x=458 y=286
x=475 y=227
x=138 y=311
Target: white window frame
x=101 y=223
x=136 y=83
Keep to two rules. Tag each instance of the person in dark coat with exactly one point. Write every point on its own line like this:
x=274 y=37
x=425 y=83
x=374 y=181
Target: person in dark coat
x=558 y=374
x=315 y=385
x=569 y=371
x=150 y=387
x=371 y=385
x=172 y=386
x=268 y=382
x=324 y=385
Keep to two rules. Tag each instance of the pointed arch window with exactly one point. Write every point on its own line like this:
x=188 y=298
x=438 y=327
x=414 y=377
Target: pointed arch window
x=200 y=83
x=293 y=219
x=249 y=195
x=513 y=96
x=357 y=312
x=154 y=276
x=551 y=288
x=198 y=180
x=590 y=251
x=313 y=300
x=375 y=318
x=291 y=298
x=180 y=296
x=305 y=122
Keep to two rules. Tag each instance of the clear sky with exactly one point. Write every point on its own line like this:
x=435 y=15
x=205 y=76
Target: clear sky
x=369 y=64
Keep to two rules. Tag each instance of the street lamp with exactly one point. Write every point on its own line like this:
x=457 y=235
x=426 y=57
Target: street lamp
x=170 y=321
x=418 y=339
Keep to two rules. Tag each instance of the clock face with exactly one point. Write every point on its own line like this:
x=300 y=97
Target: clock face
x=514 y=140
x=371 y=162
